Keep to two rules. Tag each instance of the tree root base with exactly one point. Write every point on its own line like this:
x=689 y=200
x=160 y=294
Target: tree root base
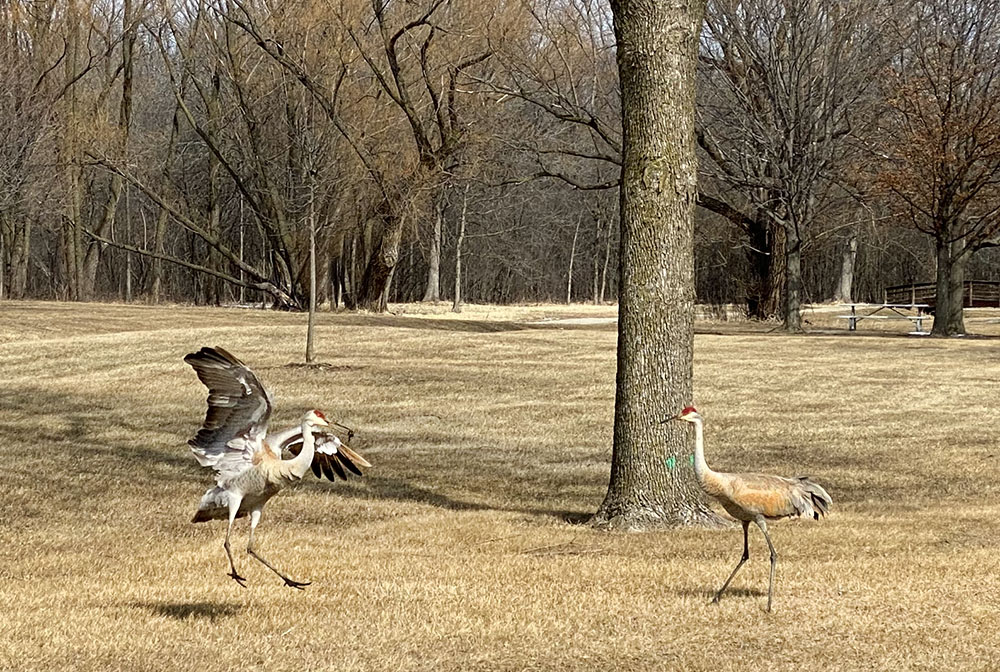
x=652 y=518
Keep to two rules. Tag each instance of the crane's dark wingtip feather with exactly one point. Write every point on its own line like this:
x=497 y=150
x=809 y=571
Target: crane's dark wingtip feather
x=353 y=468
x=337 y=467
x=217 y=353
x=329 y=469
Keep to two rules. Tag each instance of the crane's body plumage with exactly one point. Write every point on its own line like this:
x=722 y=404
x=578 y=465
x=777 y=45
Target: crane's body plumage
x=755 y=498
x=747 y=496
x=249 y=469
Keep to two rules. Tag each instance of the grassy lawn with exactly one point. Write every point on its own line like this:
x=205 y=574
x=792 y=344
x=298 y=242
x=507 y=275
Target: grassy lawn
x=490 y=434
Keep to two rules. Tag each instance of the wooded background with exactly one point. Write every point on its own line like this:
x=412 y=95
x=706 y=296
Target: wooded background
x=451 y=149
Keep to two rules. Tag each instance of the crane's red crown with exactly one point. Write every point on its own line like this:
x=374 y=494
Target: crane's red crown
x=319 y=414
x=689 y=409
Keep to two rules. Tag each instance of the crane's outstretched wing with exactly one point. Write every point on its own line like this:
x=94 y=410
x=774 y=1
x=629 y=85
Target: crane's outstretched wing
x=238 y=410
x=332 y=458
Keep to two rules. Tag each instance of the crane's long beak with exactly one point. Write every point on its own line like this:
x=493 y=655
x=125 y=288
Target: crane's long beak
x=672 y=417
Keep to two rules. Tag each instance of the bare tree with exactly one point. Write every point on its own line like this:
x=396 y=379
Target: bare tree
x=90 y=253
x=201 y=177
x=400 y=49
x=940 y=146
x=25 y=121
x=783 y=87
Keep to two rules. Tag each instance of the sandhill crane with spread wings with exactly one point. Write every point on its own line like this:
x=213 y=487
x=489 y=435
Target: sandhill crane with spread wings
x=250 y=470
x=754 y=498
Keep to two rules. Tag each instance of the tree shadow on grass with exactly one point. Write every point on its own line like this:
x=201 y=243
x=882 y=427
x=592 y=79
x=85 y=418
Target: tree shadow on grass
x=183 y=611
x=484 y=326
x=66 y=426
x=401 y=322
x=380 y=487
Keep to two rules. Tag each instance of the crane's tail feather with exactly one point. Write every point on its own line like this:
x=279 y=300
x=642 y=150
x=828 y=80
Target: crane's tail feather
x=214 y=505
x=819 y=498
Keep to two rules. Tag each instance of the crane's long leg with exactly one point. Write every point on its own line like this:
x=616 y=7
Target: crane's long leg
x=774 y=561
x=746 y=556
x=254 y=519
x=234 y=507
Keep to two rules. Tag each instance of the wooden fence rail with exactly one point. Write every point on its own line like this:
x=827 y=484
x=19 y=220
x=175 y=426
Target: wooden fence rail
x=976 y=294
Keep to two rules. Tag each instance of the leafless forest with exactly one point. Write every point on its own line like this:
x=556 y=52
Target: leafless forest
x=154 y=150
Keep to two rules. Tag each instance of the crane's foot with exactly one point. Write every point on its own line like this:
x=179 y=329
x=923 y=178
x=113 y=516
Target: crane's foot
x=239 y=579
x=291 y=583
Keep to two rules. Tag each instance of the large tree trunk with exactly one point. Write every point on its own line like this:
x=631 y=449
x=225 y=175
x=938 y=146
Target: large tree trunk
x=160 y=230
x=20 y=255
x=73 y=243
x=652 y=481
x=949 y=319
x=845 y=283
x=378 y=272
x=92 y=255
x=70 y=157
x=433 y=292
x=456 y=304
x=793 y=281
x=766 y=254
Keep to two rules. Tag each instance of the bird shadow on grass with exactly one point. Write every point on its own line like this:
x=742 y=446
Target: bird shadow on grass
x=183 y=611
x=709 y=593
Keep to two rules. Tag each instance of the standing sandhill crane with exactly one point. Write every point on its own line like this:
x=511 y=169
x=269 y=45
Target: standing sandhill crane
x=754 y=498
x=249 y=470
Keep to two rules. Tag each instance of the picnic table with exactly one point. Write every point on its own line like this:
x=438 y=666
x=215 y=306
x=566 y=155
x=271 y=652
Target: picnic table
x=888 y=311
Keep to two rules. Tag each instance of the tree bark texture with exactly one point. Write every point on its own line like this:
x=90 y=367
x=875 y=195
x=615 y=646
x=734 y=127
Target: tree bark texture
x=652 y=479
x=20 y=255
x=949 y=316
x=793 y=281
x=766 y=254
x=433 y=292
x=456 y=304
x=378 y=272
x=845 y=283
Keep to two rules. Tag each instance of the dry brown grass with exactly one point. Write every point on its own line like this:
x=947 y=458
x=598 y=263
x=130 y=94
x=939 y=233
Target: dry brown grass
x=455 y=553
